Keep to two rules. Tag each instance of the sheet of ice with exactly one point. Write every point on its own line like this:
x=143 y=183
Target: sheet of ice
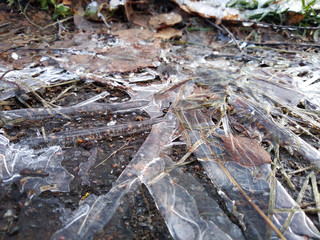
x=84 y=167
x=178 y=207
x=37 y=170
x=214 y=100
x=273 y=131
x=32 y=78
x=65 y=137
x=10 y=117
x=221 y=161
x=241 y=10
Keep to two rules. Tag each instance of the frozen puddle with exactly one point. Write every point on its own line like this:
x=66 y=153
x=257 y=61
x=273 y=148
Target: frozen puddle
x=227 y=112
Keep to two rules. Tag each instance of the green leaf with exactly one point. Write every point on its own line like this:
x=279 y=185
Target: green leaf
x=10 y=2
x=44 y=4
x=53 y=2
x=61 y=10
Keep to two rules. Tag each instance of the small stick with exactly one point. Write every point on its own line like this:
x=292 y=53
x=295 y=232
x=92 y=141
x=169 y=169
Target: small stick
x=233 y=38
x=7 y=81
x=115 y=152
x=315 y=191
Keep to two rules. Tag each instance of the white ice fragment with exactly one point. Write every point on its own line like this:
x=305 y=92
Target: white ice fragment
x=247 y=24
x=18 y=160
x=15 y=56
x=93 y=99
x=85 y=167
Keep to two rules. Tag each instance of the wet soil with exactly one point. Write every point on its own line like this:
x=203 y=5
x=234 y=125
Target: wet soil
x=25 y=218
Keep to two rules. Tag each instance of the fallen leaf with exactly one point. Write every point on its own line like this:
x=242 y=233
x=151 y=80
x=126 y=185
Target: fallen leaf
x=164 y=20
x=134 y=35
x=169 y=33
x=141 y=20
x=134 y=51
x=245 y=151
x=294 y=18
x=67 y=2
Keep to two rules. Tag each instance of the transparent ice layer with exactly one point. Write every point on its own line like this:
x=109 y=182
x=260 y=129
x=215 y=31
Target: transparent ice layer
x=37 y=170
x=179 y=198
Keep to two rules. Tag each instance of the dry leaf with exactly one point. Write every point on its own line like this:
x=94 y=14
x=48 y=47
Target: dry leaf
x=294 y=18
x=67 y=2
x=134 y=35
x=164 y=20
x=169 y=33
x=135 y=51
x=245 y=151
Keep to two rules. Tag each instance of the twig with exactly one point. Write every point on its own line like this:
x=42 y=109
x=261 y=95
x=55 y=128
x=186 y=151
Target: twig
x=20 y=99
x=115 y=152
x=296 y=209
x=300 y=170
x=44 y=102
x=61 y=94
x=278 y=163
x=7 y=81
x=181 y=162
x=233 y=38
x=44 y=135
x=5 y=24
x=25 y=15
x=38 y=26
x=315 y=191
x=284 y=44
x=226 y=30
x=272 y=200
x=270 y=25
x=215 y=25
x=57 y=22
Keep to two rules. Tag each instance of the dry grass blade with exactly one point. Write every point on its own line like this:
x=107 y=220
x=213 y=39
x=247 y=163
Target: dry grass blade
x=272 y=200
x=315 y=192
x=114 y=152
x=299 y=199
x=61 y=94
x=278 y=163
x=181 y=162
x=262 y=214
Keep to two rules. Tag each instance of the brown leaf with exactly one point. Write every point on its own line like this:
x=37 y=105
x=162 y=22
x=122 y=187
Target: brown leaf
x=169 y=33
x=294 y=18
x=245 y=151
x=134 y=35
x=135 y=51
x=164 y=20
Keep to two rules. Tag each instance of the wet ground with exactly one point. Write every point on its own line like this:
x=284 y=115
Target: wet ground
x=96 y=159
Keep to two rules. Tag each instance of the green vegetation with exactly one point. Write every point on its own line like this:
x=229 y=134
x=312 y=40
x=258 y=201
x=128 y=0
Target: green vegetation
x=272 y=12
x=311 y=16
x=59 y=10
x=243 y=4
